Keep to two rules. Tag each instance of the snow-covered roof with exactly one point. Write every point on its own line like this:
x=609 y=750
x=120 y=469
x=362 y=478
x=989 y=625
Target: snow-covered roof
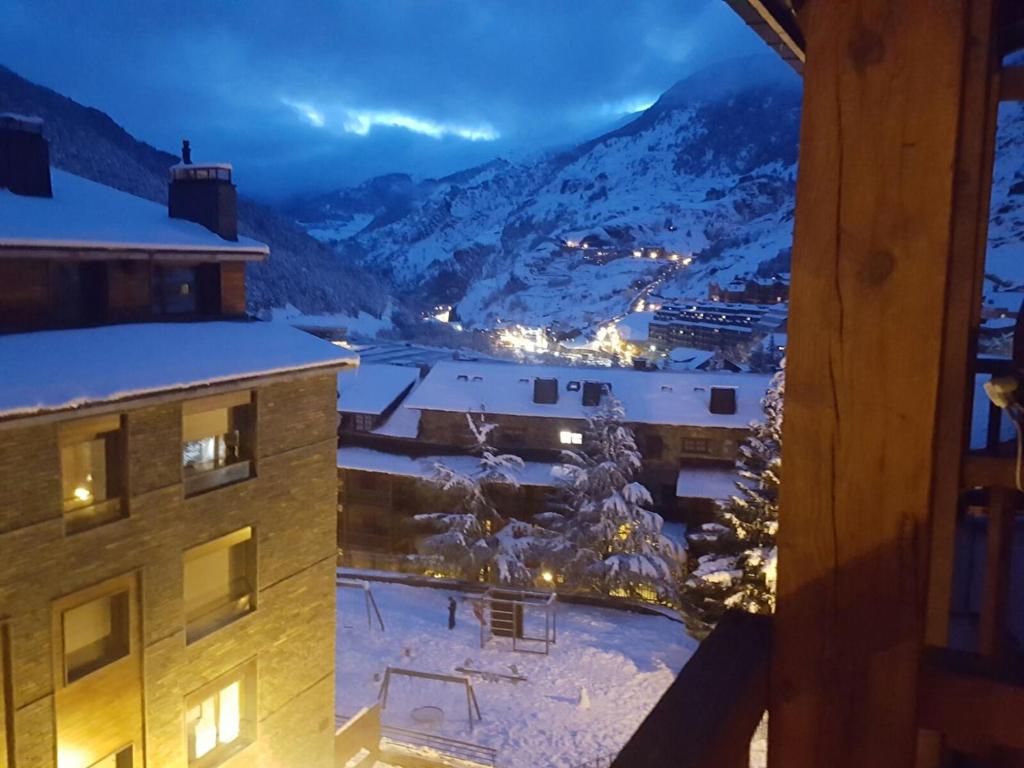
x=649 y=397
x=58 y=370
x=373 y=388
x=635 y=326
x=690 y=357
x=404 y=422
x=535 y=473
x=715 y=483
x=85 y=215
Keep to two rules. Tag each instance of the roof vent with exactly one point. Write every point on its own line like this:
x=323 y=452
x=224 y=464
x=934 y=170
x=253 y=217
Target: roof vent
x=723 y=401
x=24 y=156
x=545 y=391
x=203 y=193
x=592 y=392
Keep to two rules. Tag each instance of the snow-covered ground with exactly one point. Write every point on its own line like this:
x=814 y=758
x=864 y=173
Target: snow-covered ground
x=623 y=661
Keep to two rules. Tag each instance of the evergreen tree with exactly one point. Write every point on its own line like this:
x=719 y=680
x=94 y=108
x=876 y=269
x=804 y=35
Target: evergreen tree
x=473 y=539
x=738 y=570
x=610 y=540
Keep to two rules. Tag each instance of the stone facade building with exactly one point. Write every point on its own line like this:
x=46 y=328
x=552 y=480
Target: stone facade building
x=167 y=487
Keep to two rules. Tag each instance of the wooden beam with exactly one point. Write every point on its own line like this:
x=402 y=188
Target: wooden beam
x=993 y=628
x=873 y=265
x=969 y=243
x=708 y=715
x=775 y=23
x=970 y=700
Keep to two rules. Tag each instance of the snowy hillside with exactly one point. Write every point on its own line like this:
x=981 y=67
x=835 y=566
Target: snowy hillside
x=707 y=171
x=88 y=143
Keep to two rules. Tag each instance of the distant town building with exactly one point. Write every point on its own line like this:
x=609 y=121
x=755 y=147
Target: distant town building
x=167 y=500
x=756 y=290
x=712 y=325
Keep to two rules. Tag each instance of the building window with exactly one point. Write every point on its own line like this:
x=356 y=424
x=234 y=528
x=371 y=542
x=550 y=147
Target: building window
x=95 y=634
x=220 y=719
x=217 y=441
x=219 y=583
x=654 y=446
x=91 y=467
x=513 y=437
x=175 y=289
x=567 y=437
x=363 y=422
x=120 y=759
x=696 y=445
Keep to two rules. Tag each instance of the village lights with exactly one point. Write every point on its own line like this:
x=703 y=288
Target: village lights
x=674 y=257
x=637 y=254
x=82 y=493
x=688 y=261
x=548 y=576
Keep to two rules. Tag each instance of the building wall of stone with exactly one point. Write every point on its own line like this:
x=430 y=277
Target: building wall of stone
x=291 y=505
x=541 y=433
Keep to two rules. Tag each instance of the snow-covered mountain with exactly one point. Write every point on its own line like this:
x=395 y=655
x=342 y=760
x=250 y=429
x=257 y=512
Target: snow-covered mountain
x=85 y=141
x=707 y=171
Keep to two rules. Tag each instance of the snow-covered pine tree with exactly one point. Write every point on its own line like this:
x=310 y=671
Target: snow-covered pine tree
x=611 y=541
x=738 y=569
x=472 y=538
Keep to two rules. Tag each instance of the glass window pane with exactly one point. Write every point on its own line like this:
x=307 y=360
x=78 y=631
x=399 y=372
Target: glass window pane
x=95 y=634
x=84 y=473
x=218 y=588
x=229 y=719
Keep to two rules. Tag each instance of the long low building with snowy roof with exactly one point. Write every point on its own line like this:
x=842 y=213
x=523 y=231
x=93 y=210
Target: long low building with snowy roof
x=168 y=489
x=688 y=427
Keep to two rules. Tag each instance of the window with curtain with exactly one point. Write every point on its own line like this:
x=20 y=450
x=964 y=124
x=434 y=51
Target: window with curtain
x=221 y=718
x=219 y=583
x=95 y=634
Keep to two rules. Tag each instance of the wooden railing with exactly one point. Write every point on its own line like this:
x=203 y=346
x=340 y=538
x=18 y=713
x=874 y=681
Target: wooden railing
x=709 y=714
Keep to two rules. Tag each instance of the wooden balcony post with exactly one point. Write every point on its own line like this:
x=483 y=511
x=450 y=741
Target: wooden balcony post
x=881 y=303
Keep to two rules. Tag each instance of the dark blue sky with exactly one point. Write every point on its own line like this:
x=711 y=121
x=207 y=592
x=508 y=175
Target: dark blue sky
x=313 y=94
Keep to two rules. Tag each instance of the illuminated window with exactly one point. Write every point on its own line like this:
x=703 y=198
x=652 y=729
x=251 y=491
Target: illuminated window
x=220 y=719
x=175 y=289
x=95 y=634
x=565 y=437
x=217 y=439
x=219 y=583
x=696 y=445
x=91 y=462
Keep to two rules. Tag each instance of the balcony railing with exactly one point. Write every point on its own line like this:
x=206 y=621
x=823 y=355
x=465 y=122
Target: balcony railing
x=709 y=714
x=215 y=478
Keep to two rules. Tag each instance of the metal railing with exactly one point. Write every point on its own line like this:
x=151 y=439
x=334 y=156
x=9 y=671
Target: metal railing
x=417 y=740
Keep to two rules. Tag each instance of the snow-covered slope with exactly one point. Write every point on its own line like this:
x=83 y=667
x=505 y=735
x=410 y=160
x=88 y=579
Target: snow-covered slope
x=708 y=170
